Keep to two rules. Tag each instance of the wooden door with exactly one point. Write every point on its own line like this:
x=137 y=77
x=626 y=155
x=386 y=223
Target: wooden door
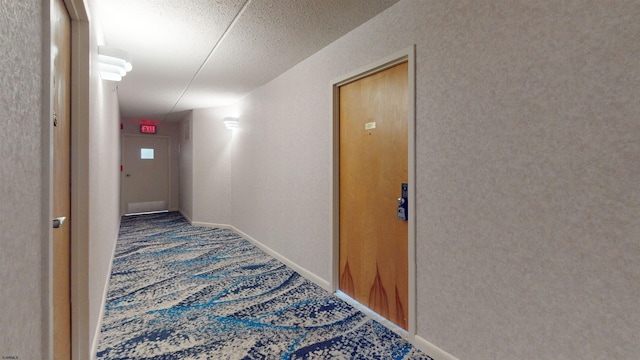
x=145 y=175
x=373 y=166
x=61 y=117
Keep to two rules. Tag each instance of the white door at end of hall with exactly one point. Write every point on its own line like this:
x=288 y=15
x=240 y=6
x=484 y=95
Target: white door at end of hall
x=145 y=174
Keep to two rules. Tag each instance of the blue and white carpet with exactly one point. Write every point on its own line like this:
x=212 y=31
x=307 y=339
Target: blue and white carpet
x=184 y=292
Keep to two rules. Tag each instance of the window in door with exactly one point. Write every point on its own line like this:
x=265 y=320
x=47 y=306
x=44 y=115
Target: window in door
x=146 y=154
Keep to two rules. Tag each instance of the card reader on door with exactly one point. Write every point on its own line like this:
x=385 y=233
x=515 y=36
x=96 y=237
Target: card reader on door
x=403 y=203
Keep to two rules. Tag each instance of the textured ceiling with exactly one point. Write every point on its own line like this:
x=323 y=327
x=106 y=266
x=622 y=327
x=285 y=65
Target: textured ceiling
x=190 y=54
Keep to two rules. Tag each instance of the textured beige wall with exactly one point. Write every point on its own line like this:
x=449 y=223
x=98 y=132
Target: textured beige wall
x=528 y=236
x=528 y=175
x=103 y=181
x=211 y=166
x=104 y=197
x=24 y=177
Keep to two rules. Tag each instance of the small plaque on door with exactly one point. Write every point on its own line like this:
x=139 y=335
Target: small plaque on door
x=370 y=125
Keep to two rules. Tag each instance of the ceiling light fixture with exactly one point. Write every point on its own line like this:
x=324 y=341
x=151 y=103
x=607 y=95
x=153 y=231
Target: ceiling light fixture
x=113 y=64
x=231 y=123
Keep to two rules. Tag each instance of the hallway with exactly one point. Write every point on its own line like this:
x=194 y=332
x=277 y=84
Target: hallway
x=526 y=183
x=183 y=292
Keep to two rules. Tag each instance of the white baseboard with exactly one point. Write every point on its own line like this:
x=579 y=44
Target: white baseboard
x=186 y=217
x=428 y=348
x=372 y=314
x=96 y=336
x=297 y=268
x=212 y=225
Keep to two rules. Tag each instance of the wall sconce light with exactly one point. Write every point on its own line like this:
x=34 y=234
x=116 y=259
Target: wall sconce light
x=113 y=64
x=231 y=123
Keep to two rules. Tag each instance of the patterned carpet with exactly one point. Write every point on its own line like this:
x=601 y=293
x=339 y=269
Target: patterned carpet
x=184 y=292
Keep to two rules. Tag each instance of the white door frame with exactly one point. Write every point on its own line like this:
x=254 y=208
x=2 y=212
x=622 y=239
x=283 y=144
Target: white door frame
x=80 y=114
x=81 y=333
x=408 y=55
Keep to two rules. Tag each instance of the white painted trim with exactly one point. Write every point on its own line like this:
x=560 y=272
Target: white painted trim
x=377 y=66
x=47 y=101
x=212 y=225
x=411 y=249
x=373 y=315
x=186 y=217
x=105 y=291
x=408 y=55
x=77 y=10
x=80 y=115
x=433 y=351
x=420 y=343
x=297 y=268
x=335 y=209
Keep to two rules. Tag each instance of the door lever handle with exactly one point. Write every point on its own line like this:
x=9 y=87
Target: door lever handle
x=57 y=222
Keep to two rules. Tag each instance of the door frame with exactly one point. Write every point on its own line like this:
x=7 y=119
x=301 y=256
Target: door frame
x=408 y=55
x=81 y=56
x=80 y=114
x=123 y=205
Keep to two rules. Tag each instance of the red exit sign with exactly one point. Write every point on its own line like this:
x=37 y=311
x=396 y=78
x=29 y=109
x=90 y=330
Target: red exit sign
x=148 y=129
